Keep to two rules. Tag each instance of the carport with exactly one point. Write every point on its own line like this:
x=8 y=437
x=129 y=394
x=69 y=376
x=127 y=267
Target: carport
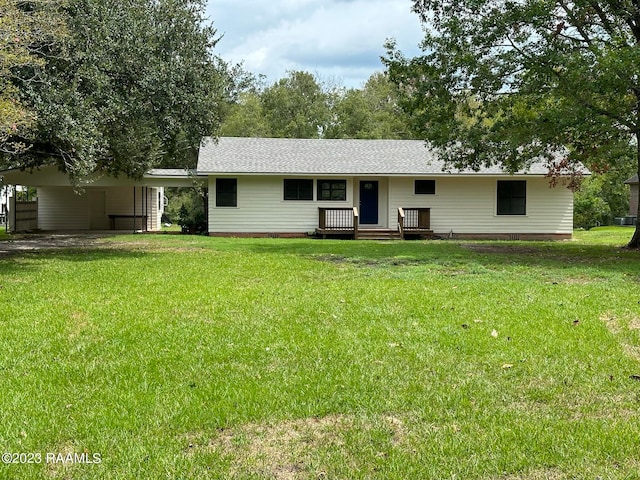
x=100 y=202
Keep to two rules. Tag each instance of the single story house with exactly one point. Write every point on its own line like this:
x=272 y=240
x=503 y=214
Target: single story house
x=101 y=202
x=294 y=187
x=297 y=187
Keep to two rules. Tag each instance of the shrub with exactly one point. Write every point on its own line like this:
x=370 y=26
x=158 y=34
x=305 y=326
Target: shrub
x=187 y=208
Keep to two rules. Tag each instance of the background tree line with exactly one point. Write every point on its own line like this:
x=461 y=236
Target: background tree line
x=303 y=106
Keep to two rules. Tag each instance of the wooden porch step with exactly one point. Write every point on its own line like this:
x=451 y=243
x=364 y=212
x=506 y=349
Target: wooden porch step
x=378 y=234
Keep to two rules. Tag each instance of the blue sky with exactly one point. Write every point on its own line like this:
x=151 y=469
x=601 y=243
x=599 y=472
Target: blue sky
x=340 y=41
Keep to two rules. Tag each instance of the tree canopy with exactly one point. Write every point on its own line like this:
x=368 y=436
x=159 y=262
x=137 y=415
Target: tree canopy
x=513 y=81
x=296 y=106
x=133 y=85
x=25 y=35
x=372 y=111
x=302 y=106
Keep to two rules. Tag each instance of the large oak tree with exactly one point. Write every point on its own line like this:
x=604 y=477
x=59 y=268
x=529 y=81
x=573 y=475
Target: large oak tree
x=509 y=81
x=26 y=33
x=133 y=85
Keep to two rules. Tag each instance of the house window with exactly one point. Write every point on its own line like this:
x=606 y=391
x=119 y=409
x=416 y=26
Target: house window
x=425 y=187
x=298 y=189
x=226 y=192
x=335 y=190
x=512 y=197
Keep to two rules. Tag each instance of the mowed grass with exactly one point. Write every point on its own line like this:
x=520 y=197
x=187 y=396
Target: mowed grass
x=191 y=357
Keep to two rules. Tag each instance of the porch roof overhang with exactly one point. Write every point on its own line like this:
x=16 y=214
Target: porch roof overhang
x=172 y=177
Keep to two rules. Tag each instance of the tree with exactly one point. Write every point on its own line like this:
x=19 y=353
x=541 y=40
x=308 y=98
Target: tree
x=243 y=115
x=603 y=196
x=510 y=81
x=187 y=207
x=296 y=106
x=371 y=112
x=133 y=86
x=246 y=118
x=26 y=31
x=589 y=208
x=300 y=106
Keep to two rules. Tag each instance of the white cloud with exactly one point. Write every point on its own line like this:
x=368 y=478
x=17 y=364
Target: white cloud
x=342 y=39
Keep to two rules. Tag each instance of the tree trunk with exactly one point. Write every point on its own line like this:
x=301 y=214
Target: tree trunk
x=635 y=240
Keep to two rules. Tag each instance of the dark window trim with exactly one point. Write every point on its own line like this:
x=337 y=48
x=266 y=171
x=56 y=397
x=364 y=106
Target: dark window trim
x=332 y=183
x=226 y=192
x=510 y=202
x=301 y=194
x=430 y=190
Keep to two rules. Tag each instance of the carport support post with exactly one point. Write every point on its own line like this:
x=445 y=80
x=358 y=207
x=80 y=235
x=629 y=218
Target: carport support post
x=145 y=212
x=134 y=209
x=12 y=206
x=144 y=209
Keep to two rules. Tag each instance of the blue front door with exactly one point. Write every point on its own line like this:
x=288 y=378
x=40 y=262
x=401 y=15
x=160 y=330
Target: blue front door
x=369 y=202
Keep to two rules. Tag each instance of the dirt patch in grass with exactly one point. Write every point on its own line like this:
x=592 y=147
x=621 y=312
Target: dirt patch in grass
x=577 y=281
x=78 y=323
x=617 y=324
x=331 y=258
x=499 y=248
x=632 y=350
x=369 y=262
x=383 y=262
x=61 y=469
x=34 y=243
x=622 y=328
x=611 y=322
x=294 y=449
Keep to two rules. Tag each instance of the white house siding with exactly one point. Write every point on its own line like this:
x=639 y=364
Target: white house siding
x=466 y=205
x=262 y=209
x=462 y=205
x=60 y=208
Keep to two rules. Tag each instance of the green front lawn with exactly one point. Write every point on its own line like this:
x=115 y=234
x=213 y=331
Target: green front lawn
x=191 y=357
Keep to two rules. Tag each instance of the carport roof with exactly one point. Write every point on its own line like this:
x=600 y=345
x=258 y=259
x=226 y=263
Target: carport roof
x=170 y=173
x=51 y=175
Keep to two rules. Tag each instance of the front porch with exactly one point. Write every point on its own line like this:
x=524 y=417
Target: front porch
x=345 y=222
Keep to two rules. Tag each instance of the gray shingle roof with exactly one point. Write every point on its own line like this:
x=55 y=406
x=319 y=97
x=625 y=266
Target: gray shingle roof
x=235 y=155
